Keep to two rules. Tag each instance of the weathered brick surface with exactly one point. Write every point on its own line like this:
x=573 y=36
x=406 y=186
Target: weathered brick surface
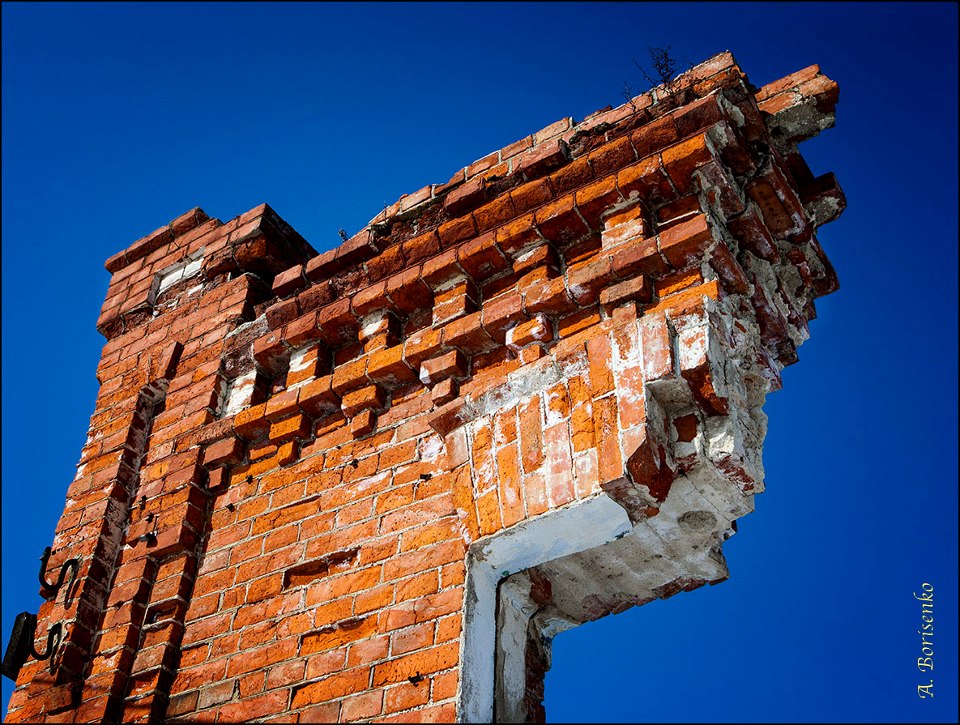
x=292 y=454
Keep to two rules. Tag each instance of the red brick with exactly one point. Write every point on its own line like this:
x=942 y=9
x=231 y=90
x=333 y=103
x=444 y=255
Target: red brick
x=494 y=213
x=481 y=258
x=441 y=269
x=680 y=161
x=684 y=244
x=251 y=423
x=531 y=442
x=424 y=662
x=752 y=234
x=321 y=266
x=296 y=427
x=282 y=405
x=337 y=322
x=538 y=329
x=370 y=299
x=331 y=687
x=452 y=304
x=585 y=281
x=516 y=235
x=406 y=695
x=456 y=231
x=657 y=348
x=541 y=159
x=636 y=257
x=645 y=180
x=421 y=345
x=444 y=391
x=408 y=292
x=791 y=81
x=634 y=288
x=314 y=297
x=270 y=352
x=559 y=221
x=467 y=334
x=728 y=269
x=531 y=195
x=500 y=314
x=575 y=174
x=549 y=297
x=609 y=459
x=611 y=157
x=370 y=397
x=554 y=129
x=387 y=367
x=698 y=115
x=389 y=261
x=349 y=376
x=281 y=313
x=289 y=281
x=646 y=465
x=654 y=136
x=483 y=164
x=450 y=364
x=302 y=331
x=596 y=198
x=318 y=397
x=599 y=354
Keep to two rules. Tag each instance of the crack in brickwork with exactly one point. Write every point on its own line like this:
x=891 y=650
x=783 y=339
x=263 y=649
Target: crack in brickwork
x=590 y=317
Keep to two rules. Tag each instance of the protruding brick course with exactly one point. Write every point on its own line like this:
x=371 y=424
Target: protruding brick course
x=308 y=474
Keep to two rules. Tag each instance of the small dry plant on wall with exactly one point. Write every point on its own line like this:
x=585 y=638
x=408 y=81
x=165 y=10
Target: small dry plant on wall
x=662 y=72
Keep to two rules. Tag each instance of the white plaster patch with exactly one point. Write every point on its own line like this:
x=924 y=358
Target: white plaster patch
x=239 y=392
x=370 y=481
x=298 y=360
x=175 y=273
x=450 y=283
x=431 y=447
x=259 y=323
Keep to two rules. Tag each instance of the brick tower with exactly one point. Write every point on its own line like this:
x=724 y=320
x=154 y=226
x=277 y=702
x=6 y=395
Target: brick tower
x=374 y=483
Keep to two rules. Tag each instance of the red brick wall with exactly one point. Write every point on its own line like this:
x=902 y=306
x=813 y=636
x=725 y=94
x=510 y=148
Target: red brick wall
x=291 y=453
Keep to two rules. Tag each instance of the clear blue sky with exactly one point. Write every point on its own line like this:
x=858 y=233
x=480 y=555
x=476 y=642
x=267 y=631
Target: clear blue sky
x=117 y=118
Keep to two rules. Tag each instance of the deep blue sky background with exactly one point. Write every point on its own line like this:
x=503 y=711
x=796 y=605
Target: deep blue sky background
x=117 y=118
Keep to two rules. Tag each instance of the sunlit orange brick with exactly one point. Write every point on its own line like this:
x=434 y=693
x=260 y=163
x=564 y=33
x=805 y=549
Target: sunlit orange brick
x=500 y=314
x=406 y=695
x=645 y=180
x=559 y=220
x=548 y=296
x=450 y=364
x=677 y=281
x=349 y=376
x=508 y=469
x=597 y=197
x=282 y=405
x=370 y=397
x=680 y=160
x=684 y=244
x=421 y=345
x=539 y=329
x=297 y=426
x=251 y=422
x=317 y=397
x=223 y=453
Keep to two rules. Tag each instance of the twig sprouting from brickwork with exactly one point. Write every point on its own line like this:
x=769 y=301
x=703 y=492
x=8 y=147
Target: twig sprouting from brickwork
x=664 y=67
x=663 y=71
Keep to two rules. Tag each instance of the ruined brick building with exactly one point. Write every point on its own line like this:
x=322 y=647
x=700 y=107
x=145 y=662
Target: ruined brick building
x=374 y=483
